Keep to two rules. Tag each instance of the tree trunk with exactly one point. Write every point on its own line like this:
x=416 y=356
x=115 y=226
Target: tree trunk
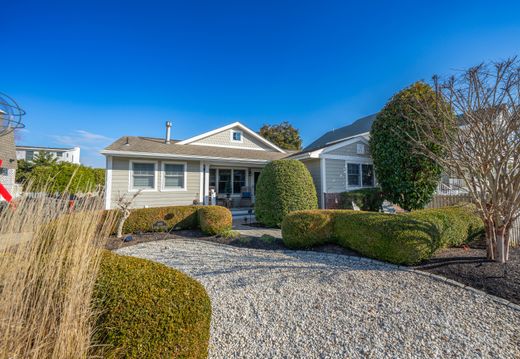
x=497 y=241
x=490 y=239
x=122 y=221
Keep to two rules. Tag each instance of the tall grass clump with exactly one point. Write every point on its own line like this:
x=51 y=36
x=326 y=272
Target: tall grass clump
x=49 y=258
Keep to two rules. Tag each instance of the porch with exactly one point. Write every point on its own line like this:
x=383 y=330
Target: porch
x=230 y=186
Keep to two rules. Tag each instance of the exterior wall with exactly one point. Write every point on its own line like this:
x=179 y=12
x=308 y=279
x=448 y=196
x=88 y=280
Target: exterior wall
x=68 y=155
x=335 y=176
x=7 y=178
x=351 y=150
x=224 y=139
x=313 y=165
x=120 y=183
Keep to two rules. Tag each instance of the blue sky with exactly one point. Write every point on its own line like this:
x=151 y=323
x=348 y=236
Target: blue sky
x=90 y=72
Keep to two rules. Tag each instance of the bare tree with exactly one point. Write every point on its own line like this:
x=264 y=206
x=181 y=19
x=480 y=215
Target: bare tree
x=478 y=120
x=124 y=204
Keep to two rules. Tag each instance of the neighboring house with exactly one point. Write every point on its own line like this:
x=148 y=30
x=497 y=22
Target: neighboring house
x=62 y=154
x=9 y=164
x=340 y=161
x=227 y=161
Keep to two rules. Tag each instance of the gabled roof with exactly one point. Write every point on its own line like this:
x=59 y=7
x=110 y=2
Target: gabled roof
x=358 y=127
x=156 y=147
x=227 y=127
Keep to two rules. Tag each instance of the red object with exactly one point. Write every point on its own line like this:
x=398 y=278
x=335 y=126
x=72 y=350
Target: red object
x=3 y=191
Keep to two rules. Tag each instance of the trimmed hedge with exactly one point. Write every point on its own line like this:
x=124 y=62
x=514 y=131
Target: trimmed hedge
x=148 y=310
x=179 y=217
x=215 y=219
x=367 y=199
x=407 y=238
x=283 y=186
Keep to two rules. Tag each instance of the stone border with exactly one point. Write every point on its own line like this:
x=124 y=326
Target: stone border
x=440 y=278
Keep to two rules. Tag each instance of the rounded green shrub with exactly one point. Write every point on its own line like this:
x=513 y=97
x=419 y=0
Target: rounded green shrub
x=215 y=219
x=407 y=238
x=148 y=310
x=283 y=186
x=305 y=229
x=143 y=219
x=406 y=177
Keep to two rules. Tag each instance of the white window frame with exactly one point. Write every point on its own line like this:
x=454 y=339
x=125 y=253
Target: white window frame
x=241 y=136
x=163 y=177
x=217 y=177
x=131 y=187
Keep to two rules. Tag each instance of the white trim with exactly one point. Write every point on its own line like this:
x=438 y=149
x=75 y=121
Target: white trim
x=352 y=159
x=131 y=176
x=176 y=156
x=201 y=182
x=108 y=182
x=347 y=142
x=364 y=134
x=323 y=182
x=227 y=127
x=206 y=199
x=232 y=132
x=232 y=169
x=163 y=177
x=228 y=146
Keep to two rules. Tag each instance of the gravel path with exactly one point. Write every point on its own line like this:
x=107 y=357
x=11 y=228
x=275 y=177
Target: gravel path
x=295 y=304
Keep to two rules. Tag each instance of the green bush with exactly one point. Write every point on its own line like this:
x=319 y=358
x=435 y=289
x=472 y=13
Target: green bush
x=210 y=219
x=215 y=219
x=407 y=177
x=367 y=199
x=305 y=229
x=148 y=310
x=283 y=186
x=407 y=238
x=178 y=217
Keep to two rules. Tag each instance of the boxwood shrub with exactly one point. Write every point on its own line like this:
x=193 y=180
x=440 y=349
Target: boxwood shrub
x=210 y=219
x=283 y=186
x=148 y=310
x=407 y=238
x=367 y=199
x=215 y=219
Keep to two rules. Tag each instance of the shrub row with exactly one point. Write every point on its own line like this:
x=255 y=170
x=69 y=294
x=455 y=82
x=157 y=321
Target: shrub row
x=210 y=219
x=407 y=238
x=148 y=310
x=367 y=199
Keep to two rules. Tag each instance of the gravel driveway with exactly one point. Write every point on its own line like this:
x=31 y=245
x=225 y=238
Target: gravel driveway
x=296 y=304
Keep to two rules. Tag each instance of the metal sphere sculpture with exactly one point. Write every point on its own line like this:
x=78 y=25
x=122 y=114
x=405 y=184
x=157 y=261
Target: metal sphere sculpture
x=10 y=115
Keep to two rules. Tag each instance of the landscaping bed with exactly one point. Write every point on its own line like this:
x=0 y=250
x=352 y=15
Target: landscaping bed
x=468 y=265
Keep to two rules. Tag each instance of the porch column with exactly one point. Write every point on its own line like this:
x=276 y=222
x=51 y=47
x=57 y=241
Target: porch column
x=205 y=182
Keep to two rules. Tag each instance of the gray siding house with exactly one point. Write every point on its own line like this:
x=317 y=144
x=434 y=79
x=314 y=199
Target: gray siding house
x=226 y=161
x=340 y=160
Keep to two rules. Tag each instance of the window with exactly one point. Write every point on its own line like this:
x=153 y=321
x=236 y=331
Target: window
x=224 y=181
x=353 y=174
x=29 y=155
x=367 y=175
x=213 y=178
x=174 y=175
x=59 y=154
x=236 y=136
x=143 y=175
x=239 y=180
x=360 y=149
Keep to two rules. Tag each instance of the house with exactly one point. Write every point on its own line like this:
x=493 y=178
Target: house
x=9 y=164
x=340 y=161
x=62 y=154
x=226 y=161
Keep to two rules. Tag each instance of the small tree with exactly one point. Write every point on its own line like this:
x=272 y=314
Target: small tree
x=44 y=159
x=283 y=186
x=406 y=178
x=124 y=205
x=484 y=148
x=283 y=135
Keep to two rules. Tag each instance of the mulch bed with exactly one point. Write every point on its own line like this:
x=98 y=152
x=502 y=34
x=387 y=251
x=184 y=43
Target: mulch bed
x=469 y=265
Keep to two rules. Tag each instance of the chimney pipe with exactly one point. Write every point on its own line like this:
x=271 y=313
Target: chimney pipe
x=168 y=128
